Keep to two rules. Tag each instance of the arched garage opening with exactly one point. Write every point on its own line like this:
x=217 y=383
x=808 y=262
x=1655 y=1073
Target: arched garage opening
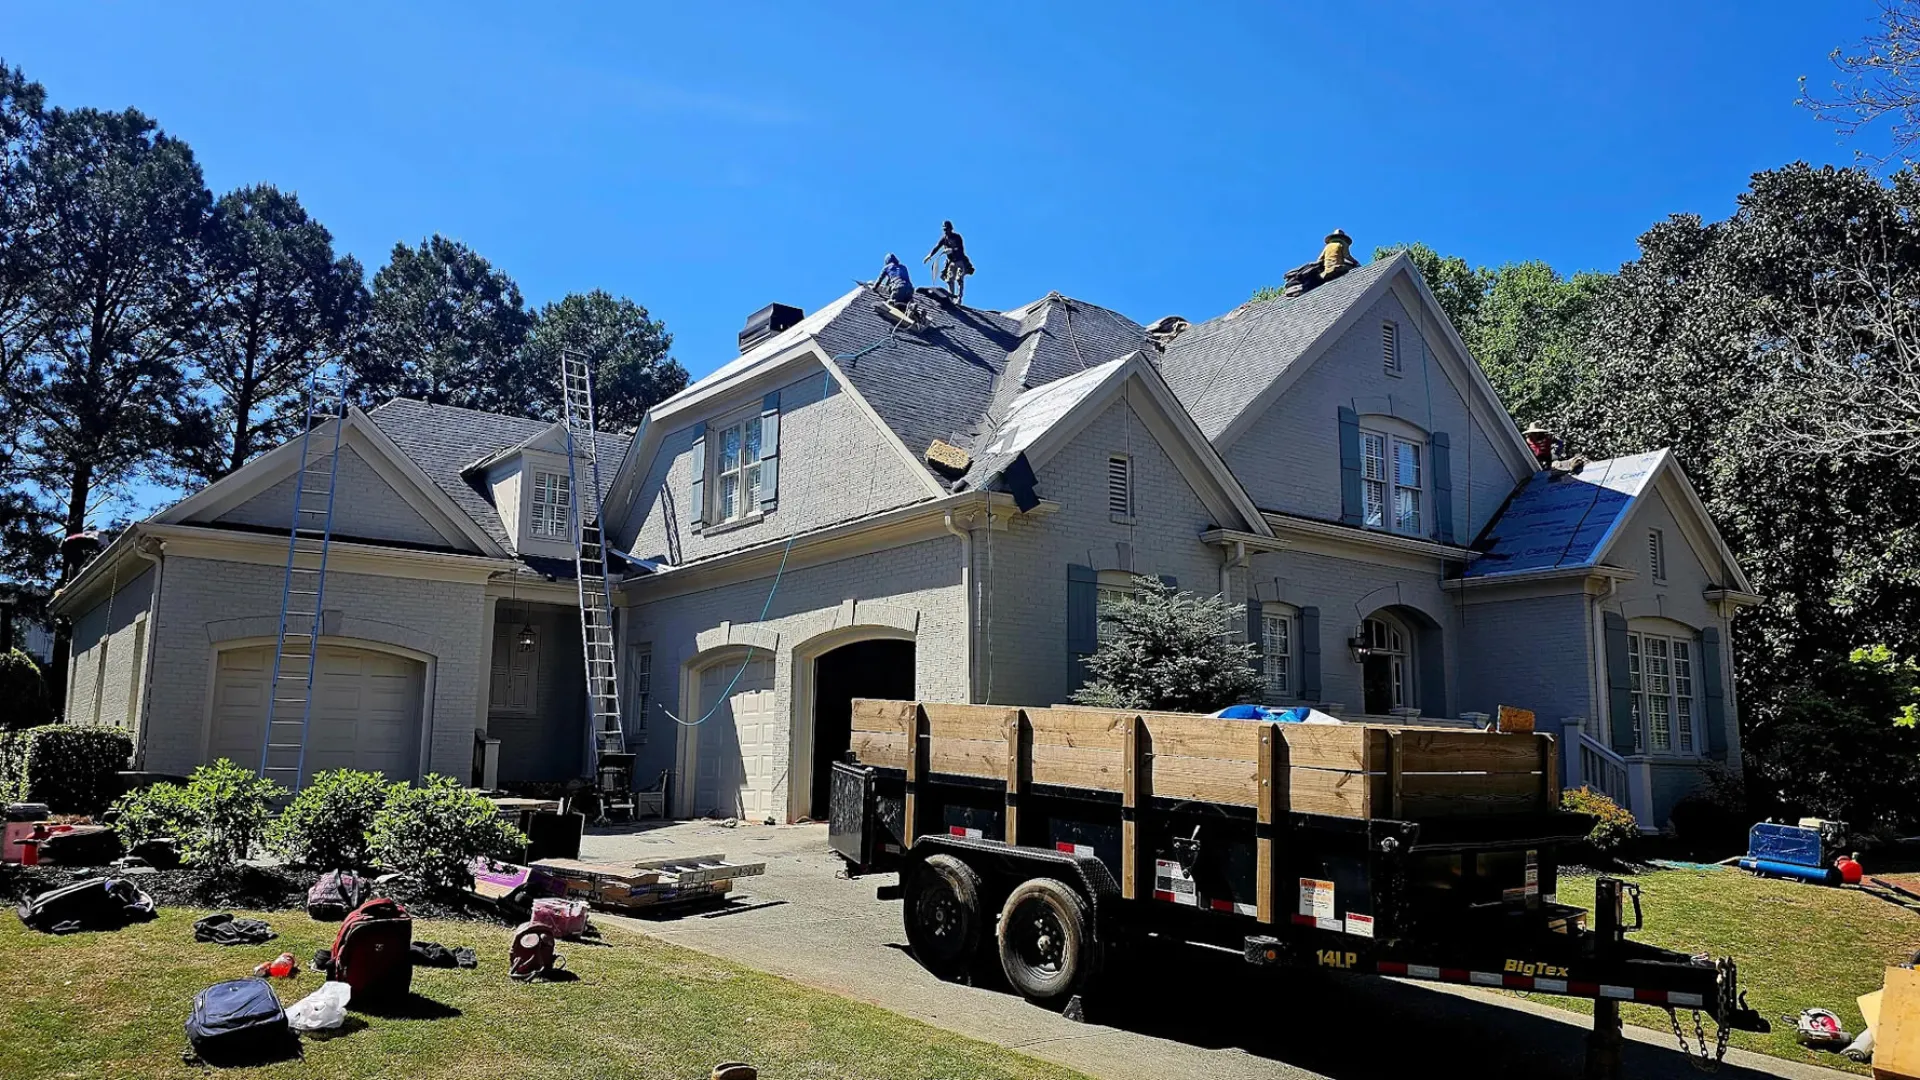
x=873 y=668
x=368 y=708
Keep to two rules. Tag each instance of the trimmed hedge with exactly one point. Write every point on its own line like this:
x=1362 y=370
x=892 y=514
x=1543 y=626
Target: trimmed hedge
x=73 y=768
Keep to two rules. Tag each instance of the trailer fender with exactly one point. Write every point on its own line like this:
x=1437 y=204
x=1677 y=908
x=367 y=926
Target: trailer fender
x=1006 y=866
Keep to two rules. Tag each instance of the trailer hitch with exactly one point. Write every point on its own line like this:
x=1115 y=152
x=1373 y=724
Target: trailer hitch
x=1733 y=1013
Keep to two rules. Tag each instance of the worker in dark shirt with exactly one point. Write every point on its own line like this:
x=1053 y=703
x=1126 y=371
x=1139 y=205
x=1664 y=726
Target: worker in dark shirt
x=958 y=266
x=893 y=282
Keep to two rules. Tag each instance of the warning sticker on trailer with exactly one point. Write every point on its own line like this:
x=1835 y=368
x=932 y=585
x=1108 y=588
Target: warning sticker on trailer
x=962 y=830
x=1316 y=898
x=1533 y=874
x=1173 y=884
x=1074 y=849
x=1360 y=925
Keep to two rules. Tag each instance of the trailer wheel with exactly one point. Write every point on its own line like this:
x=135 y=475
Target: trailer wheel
x=1046 y=941
x=942 y=914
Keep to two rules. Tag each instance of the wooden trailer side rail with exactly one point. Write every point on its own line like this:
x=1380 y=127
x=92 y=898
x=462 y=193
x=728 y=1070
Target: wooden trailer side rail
x=1348 y=770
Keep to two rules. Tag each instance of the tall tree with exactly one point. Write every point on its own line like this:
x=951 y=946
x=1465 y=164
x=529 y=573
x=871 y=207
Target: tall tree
x=628 y=348
x=278 y=304
x=116 y=207
x=1879 y=80
x=26 y=541
x=446 y=327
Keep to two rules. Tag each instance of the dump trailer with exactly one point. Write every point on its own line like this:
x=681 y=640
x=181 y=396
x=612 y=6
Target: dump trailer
x=1061 y=837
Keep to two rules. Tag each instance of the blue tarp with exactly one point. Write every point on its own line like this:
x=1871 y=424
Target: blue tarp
x=1563 y=519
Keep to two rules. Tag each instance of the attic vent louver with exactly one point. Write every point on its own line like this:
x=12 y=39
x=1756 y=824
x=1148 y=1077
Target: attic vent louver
x=767 y=322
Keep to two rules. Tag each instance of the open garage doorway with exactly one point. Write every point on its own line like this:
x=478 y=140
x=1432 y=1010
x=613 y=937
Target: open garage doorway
x=869 y=669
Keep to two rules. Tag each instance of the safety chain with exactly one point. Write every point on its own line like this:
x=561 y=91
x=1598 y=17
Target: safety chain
x=1727 y=1004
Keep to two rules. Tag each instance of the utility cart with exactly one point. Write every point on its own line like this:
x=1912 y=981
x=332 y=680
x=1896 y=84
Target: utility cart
x=1059 y=837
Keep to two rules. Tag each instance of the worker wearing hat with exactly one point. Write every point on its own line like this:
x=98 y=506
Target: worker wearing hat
x=1337 y=257
x=1544 y=444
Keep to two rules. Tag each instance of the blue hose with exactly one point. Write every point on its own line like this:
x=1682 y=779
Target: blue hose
x=1773 y=868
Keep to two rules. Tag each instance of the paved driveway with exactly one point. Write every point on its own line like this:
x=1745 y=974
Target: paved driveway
x=1195 y=1016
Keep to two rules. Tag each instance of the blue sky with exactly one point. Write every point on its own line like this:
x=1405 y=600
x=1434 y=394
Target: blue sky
x=705 y=160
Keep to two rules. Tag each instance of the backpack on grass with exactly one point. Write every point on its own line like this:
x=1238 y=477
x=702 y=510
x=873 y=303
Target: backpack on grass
x=93 y=904
x=373 y=952
x=337 y=893
x=238 y=1022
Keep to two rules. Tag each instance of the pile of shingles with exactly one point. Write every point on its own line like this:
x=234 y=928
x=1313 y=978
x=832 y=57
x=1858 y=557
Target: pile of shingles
x=637 y=885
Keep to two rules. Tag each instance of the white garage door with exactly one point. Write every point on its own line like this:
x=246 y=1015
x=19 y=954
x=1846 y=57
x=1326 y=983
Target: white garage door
x=742 y=746
x=366 y=712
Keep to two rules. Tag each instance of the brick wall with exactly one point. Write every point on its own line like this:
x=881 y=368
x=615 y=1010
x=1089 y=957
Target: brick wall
x=1531 y=653
x=923 y=578
x=114 y=632
x=365 y=505
x=1289 y=460
x=204 y=602
x=835 y=465
x=1024 y=569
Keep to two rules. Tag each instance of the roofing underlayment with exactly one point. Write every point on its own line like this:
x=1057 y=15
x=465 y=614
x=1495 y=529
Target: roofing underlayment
x=1559 y=520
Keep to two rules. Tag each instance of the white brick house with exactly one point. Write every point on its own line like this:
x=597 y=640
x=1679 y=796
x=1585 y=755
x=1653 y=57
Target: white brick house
x=1335 y=462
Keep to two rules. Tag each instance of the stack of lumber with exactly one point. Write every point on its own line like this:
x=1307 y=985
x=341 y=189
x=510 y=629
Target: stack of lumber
x=645 y=884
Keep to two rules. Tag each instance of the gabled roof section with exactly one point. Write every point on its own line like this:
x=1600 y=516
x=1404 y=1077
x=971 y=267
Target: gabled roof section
x=1559 y=521
x=1042 y=421
x=443 y=441
x=374 y=443
x=1219 y=368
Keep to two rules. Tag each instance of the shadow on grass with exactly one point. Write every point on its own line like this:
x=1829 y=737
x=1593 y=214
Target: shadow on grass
x=347 y=1027
x=410 y=1006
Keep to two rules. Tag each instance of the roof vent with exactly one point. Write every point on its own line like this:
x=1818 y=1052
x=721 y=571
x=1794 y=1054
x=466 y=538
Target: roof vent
x=767 y=322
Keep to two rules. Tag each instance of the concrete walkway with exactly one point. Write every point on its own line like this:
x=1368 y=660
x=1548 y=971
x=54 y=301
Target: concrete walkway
x=1196 y=1015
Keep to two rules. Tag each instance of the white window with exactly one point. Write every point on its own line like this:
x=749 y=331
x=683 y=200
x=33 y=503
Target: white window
x=1661 y=668
x=1657 y=554
x=1276 y=646
x=1114 y=586
x=552 y=499
x=736 y=470
x=1120 y=485
x=1390 y=347
x=1384 y=672
x=1390 y=474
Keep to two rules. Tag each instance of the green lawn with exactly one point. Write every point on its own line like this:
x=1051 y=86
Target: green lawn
x=1798 y=946
x=112 y=1005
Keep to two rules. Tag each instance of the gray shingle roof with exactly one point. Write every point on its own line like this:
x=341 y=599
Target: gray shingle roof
x=443 y=440
x=1218 y=368
x=956 y=378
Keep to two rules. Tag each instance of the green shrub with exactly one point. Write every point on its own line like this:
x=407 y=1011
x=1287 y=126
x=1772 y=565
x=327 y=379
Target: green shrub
x=327 y=824
x=1161 y=648
x=218 y=817
x=23 y=692
x=73 y=768
x=433 y=831
x=152 y=813
x=1613 y=824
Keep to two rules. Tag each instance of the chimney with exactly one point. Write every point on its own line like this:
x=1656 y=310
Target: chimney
x=767 y=322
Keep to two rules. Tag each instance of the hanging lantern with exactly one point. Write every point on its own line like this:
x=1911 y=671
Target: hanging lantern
x=527 y=638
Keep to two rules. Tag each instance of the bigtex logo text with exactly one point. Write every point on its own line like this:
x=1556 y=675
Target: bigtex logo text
x=1548 y=971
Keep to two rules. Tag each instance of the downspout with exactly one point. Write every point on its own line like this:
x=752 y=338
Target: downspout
x=966 y=588
x=158 y=559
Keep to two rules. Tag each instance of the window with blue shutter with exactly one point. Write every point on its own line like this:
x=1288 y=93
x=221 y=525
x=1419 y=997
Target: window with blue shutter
x=697 y=461
x=1083 y=622
x=1715 y=716
x=1441 y=459
x=1310 y=653
x=770 y=451
x=1350 y=511
x=1622 y=725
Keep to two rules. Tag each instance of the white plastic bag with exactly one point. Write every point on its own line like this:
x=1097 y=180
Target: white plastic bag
x=322 y=1010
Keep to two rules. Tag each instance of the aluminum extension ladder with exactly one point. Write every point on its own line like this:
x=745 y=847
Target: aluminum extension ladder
x=283 y=746
x=607 y=734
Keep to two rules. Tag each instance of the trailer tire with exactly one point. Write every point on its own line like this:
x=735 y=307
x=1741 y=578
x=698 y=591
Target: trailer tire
x=942 y=915
x=1046 y=941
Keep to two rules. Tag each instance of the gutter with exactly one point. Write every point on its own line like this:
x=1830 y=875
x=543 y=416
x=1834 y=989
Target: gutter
x=966 y=588
x=157 y=557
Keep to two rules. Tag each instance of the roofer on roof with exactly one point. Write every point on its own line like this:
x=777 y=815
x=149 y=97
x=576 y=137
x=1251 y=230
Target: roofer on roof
x=1545 y=444
x=893 y=282
x=1336 y=258
x=958 y=266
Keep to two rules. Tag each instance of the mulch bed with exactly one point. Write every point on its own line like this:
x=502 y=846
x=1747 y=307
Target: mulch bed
x=249 y=888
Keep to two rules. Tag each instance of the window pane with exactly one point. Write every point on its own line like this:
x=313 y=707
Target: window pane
x=1406 y=509
x=1373 y=452
x=1683 y=714
x=753 y=439
x=730 y=450
x=1399 y=682
x=1657 y=706
x=1376 y=502
x=729 y=497
x=1277 y=645
x=1682 y=668
x=752 y=473
x=1633 y=660
x=1406 y=463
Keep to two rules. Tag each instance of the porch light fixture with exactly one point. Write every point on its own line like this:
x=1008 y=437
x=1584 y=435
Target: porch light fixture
x=1357 y=646
x=527 y=639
